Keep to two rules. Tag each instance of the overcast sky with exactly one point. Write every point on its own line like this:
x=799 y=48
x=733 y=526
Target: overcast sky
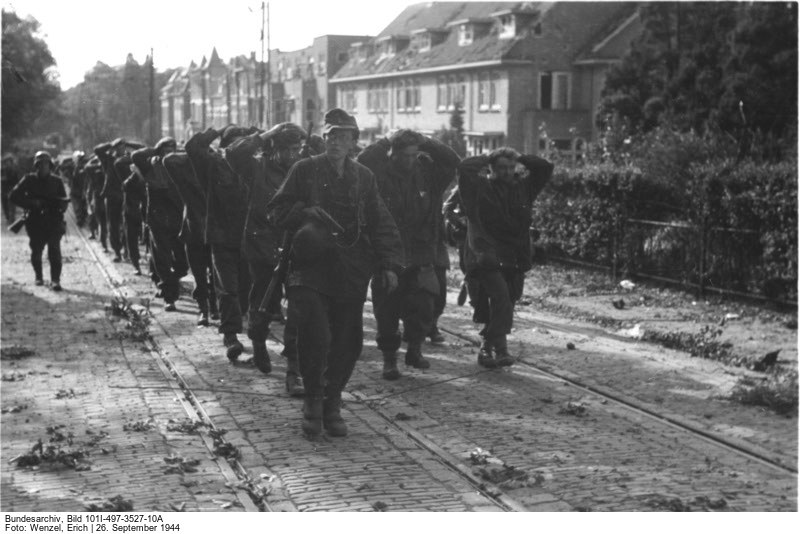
x=81 y=32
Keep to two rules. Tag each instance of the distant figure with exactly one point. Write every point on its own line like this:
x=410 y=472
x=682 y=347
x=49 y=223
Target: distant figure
x=44 y=198
x=497 y=202
x=10 y=177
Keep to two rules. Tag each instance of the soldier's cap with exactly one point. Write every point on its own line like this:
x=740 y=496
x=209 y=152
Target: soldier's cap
x=405 y=138
x=339 y=118
x=287 y=134
x=232 y=132
x=119 y=141
x=42 y=156
x=166 y=142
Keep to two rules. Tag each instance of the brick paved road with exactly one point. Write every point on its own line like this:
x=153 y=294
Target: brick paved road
x=409 y=444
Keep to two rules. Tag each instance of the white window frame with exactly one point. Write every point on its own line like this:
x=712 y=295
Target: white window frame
x=466 y=34
x=560 y=82
x=508 y=27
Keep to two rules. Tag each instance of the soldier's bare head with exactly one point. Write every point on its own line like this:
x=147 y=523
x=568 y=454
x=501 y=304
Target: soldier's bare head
x=503 y=163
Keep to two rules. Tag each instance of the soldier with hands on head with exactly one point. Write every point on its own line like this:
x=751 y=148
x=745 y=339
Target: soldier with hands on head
x=497 y=200
x=263 y=159
x=412 y=172
x=44 y=198
x=342 y=234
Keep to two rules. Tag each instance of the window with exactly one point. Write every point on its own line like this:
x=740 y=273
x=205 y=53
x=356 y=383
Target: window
x=465 y=34
x=377 y=98
x=348 y=99
x=400 y=95
x=537 y=29
x=425 y=42
x=408 y=96
x=487 y=91
x=507 y=27
x=441 y=93
x=555 y=90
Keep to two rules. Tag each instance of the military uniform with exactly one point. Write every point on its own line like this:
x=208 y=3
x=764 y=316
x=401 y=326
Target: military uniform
x=413 y=197
x=498 y=253
x=116 y=170
x=134 y=194
x=95 y=204
x=45 y=200
x=226 y=197
x=329 y=274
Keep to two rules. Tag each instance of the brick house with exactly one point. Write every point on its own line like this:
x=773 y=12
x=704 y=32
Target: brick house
x=522 y=72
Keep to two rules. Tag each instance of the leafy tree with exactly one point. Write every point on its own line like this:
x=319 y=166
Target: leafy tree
x=29 y=82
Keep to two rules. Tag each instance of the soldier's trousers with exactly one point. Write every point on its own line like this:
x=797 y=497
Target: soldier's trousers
x=440 y=301
x=330 y=335
x=133 y=232
x=260 y=276
x=114 y=217
x=169 y=261
x=98 y=221
x=232 y=284
x=37 y=241
x=493 y=298
x=409 y=302
x=199 y=256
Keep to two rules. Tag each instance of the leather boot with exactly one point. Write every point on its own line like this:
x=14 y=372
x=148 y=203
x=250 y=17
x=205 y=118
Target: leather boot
x=312 y=415
x=486 y=357
x=414 y=357
x=202 y=318
x=435 y=335
x=261 y=357
x=234 y=348
x=294 y=384
x=501 y=355
x=332 y=416
x=390 y=370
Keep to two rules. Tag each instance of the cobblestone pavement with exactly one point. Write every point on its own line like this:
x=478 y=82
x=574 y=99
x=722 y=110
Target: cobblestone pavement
x=413 y=444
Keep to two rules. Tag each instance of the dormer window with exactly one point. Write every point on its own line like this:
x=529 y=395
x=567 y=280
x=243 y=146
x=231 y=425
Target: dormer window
x=424 y=42
x=508 y=27
x=465 y=34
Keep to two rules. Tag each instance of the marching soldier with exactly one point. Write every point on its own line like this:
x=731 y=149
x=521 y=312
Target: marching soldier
x=412 y=172
x=95 y=204
x=135 y=196
x=497 y=202
x=341 y=229
x=44 y=198
x=226 y=197
x=280 y=147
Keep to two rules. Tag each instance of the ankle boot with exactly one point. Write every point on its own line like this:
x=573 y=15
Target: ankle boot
x=202 y=318
x=233 y=346
x=501 y=355
x=414 y=357
x=312 y=415
x=486 y=357
x=294 y=384
x=332 y=416
x=390 y=371
x=261 y=357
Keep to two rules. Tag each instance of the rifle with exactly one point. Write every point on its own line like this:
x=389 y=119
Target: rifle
x=279 y=273
x=17 y=225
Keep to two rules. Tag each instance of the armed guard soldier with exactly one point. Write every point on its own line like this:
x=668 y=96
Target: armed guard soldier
x=114 y=156
x=44 y=198
x=164 y=217
x=412 y=172
x=226 y=196
x=497 y=202
x=341 y=229
x=198 y=253
x=280 y=148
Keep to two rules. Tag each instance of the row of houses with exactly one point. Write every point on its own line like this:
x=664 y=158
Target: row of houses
x=524 y=74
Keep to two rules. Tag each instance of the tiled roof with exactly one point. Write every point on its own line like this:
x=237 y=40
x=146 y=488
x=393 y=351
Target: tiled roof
x=438 y=14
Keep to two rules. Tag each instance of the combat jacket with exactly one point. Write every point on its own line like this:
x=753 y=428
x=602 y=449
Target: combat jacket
x=45 y=201
x=181 y=172
x=499 y=214
x=225 y=192
x=370 y=240
x=164 y=205
x=112 y=184
x=263 y=176
x=414 y=198
x=135 y=198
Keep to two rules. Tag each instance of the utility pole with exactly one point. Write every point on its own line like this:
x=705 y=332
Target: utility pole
x=261 y=84
x=268 y=66
x=153 y=132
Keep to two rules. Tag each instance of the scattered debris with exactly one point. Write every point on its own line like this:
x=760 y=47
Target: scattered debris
x=400 y=416
x=136 y=316
x=573 y=408
x=139 y=426
x=115 y=504
x=571 y=346
x=227 y=450
x=479 y=456
x=670 y=504
x=777 y=391
x=185 y=426
x=507 y=477
x=635 y=332
x=178 y=507
x=65 y=394
x=180 y=465
x=380 y=506
x=618 y=304
x=15 y=352
x=767 y=361
x=13 y=377
x=627 y=285
x=732 y=316
x=14 y=409
x=710 y=504
x=364 y=486
x=53 y=453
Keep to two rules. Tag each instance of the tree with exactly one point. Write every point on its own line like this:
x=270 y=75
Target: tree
x=29 y=82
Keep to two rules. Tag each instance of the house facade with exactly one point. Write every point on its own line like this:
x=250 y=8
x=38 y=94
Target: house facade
x=525 y=74
x=242 y=91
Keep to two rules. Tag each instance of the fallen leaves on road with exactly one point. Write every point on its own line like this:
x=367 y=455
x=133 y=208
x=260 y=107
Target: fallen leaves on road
x=139 y=426
x=15 y=352
x=180 y=465
x=573 y=408
x=185 y=426
x=14 y=409
x=380 y=506
x=115 y=504
x=400 y=416
x=571 y=346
